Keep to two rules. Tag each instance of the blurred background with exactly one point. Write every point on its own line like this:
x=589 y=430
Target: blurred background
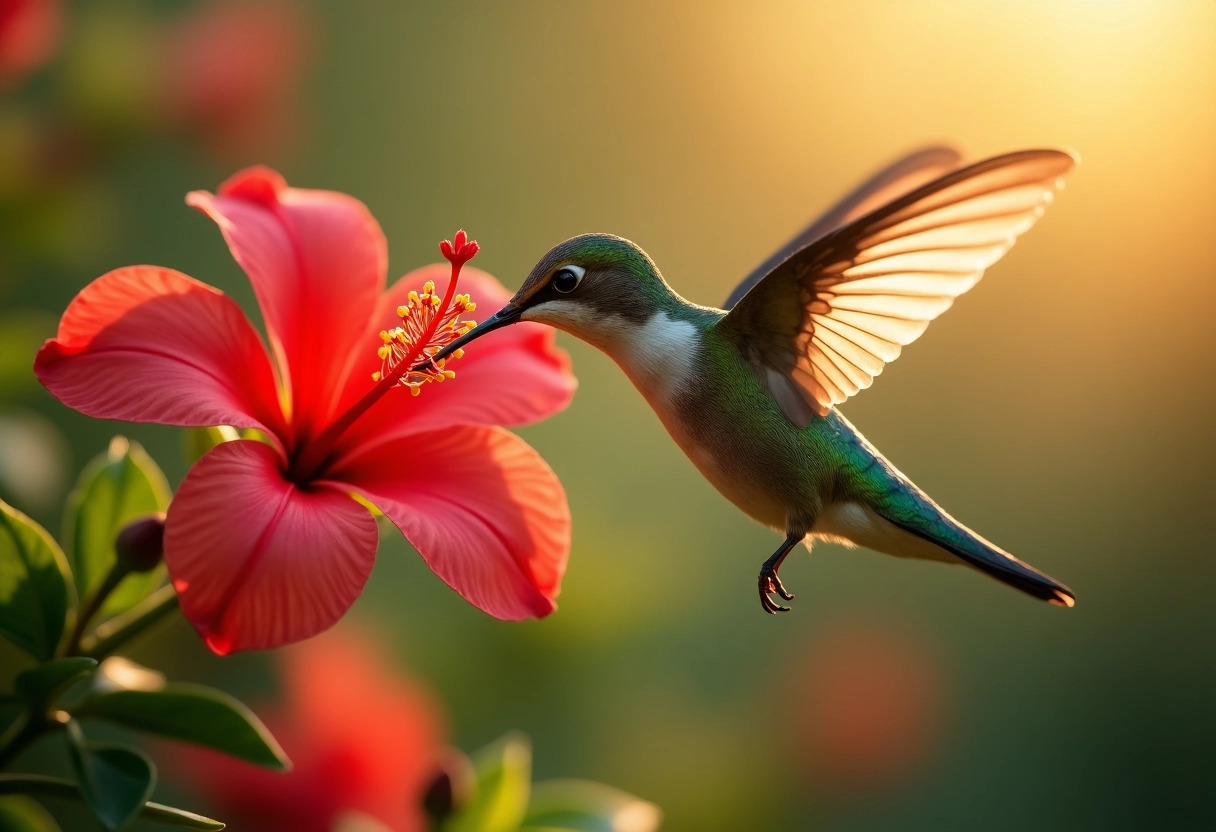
x=1064 y=408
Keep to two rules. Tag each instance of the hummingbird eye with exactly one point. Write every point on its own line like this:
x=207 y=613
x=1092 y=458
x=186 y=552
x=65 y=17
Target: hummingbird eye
x=566 y=279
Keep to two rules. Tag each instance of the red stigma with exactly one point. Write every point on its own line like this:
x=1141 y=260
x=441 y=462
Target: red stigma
x=460 y=249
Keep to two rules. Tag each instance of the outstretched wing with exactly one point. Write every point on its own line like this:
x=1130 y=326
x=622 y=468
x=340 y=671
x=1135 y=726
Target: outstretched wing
x=823 y=323
x=895 y=180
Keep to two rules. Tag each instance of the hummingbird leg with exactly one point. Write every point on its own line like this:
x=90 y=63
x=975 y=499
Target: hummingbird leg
x=769 y=582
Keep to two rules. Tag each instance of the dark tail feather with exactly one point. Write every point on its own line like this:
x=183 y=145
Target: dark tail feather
x=947 y=533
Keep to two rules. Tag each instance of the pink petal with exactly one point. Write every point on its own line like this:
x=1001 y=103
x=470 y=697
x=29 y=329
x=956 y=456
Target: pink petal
x=481 y=507
x=257 y=561
x=316 y=260
x=147 y=344
x=514 y=376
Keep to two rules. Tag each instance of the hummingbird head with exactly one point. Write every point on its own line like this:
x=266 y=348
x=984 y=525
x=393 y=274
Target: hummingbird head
x=597 y=287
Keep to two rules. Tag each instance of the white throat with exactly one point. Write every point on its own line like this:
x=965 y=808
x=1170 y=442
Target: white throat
x=657 y=355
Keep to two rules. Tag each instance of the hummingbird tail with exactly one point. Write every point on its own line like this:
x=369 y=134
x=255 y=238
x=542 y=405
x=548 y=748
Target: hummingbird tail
x=922 y=519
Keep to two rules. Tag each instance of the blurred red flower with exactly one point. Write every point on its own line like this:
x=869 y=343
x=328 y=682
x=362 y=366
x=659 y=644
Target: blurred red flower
x=867 y=703
x=361 y=738
x=231 y=73
x=29 y=33
x=263 y=540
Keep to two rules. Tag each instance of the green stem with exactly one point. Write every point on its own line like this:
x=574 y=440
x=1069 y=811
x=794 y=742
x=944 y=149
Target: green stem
x=13 y=743
x=118 y=631
x=90 y=610
x=57 y=787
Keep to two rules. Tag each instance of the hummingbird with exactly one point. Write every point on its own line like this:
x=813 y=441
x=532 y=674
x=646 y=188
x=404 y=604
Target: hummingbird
x=750 y=391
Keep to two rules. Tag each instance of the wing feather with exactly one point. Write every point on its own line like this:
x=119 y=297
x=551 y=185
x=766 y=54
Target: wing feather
x=897 y=179
x=824 y=321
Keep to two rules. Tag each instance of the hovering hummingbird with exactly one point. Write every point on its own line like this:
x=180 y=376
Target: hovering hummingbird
x=749 y=392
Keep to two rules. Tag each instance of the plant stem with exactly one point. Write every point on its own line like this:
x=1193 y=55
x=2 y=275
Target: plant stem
x=90 y=610
x=117 y=631
x=31 y=729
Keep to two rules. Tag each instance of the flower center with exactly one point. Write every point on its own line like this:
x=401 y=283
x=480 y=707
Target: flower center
x=428 y=323
x=424 y=321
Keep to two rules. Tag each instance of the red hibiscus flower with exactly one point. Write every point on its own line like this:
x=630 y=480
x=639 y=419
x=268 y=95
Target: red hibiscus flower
x=361 y=738
x=263 y=540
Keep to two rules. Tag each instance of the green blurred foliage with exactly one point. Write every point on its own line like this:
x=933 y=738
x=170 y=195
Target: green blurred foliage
x=1061 y=408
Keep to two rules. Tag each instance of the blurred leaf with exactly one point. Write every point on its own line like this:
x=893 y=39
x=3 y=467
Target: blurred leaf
x=23 y=814
x=200 y=440
x=584 y=806
x=11 y=707
x=57 y=787
x=40 y=686
x=115 y=488
x=35 y=591
x=116 y=781
x=193 y=714
x=504 y=774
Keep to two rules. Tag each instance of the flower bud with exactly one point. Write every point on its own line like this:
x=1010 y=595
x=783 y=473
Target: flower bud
x=141 y=543
x=452 y=787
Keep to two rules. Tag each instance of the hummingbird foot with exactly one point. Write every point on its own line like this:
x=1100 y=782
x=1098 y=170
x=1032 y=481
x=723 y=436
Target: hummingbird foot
x=770 y=583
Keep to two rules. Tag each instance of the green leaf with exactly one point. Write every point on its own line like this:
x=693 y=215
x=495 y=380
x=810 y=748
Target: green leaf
x=504 y=774
x=116 y=780
x=115 y=488
x=194 y=714
x=58 y=787
x=35 y=590
x=200 y=440
x=40 y=686
x=22 y=814
x=583 y=806
x=11 y=707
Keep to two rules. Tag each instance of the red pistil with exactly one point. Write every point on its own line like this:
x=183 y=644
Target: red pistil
x=316 y=453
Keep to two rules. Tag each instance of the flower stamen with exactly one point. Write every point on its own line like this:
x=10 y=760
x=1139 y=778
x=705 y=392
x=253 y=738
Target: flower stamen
x=423 y=317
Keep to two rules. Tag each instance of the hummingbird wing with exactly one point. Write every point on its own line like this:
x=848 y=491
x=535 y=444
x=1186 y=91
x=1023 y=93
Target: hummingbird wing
x=822 y=324
x=896 y=179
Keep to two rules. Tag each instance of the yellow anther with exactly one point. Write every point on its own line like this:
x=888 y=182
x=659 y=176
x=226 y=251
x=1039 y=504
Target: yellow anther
x=415 y=389
x=385 y=335
x=436 y=300
x=449 y=374
x=376 y=376
x=402 y=311
x=428 y=288
x=469 y=307
x=413 y=302
x=384 y=351
x=459 y=353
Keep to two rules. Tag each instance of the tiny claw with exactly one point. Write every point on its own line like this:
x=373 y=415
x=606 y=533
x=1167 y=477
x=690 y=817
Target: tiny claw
x=768 y=584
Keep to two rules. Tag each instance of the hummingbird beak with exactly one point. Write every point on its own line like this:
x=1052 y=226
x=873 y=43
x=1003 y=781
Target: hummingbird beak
x=509 y=314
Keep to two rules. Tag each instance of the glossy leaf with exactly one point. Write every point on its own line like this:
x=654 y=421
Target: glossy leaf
x=115 y=488
x=200 y=440
x=35 y=590
x=504 y=775
x=583 y=806
x=193 y=714
x=23 y=814
x=58 y=787
x=116 y=781
x=40 y=686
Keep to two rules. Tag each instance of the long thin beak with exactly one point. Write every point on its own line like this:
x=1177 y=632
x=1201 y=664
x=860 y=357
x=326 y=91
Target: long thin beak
x=506 y=316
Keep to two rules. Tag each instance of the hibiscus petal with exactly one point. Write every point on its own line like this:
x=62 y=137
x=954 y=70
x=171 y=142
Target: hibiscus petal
x=147 y=344
x=513 y=377
x=317 y=262
x=481 y=507
x=258 y=562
